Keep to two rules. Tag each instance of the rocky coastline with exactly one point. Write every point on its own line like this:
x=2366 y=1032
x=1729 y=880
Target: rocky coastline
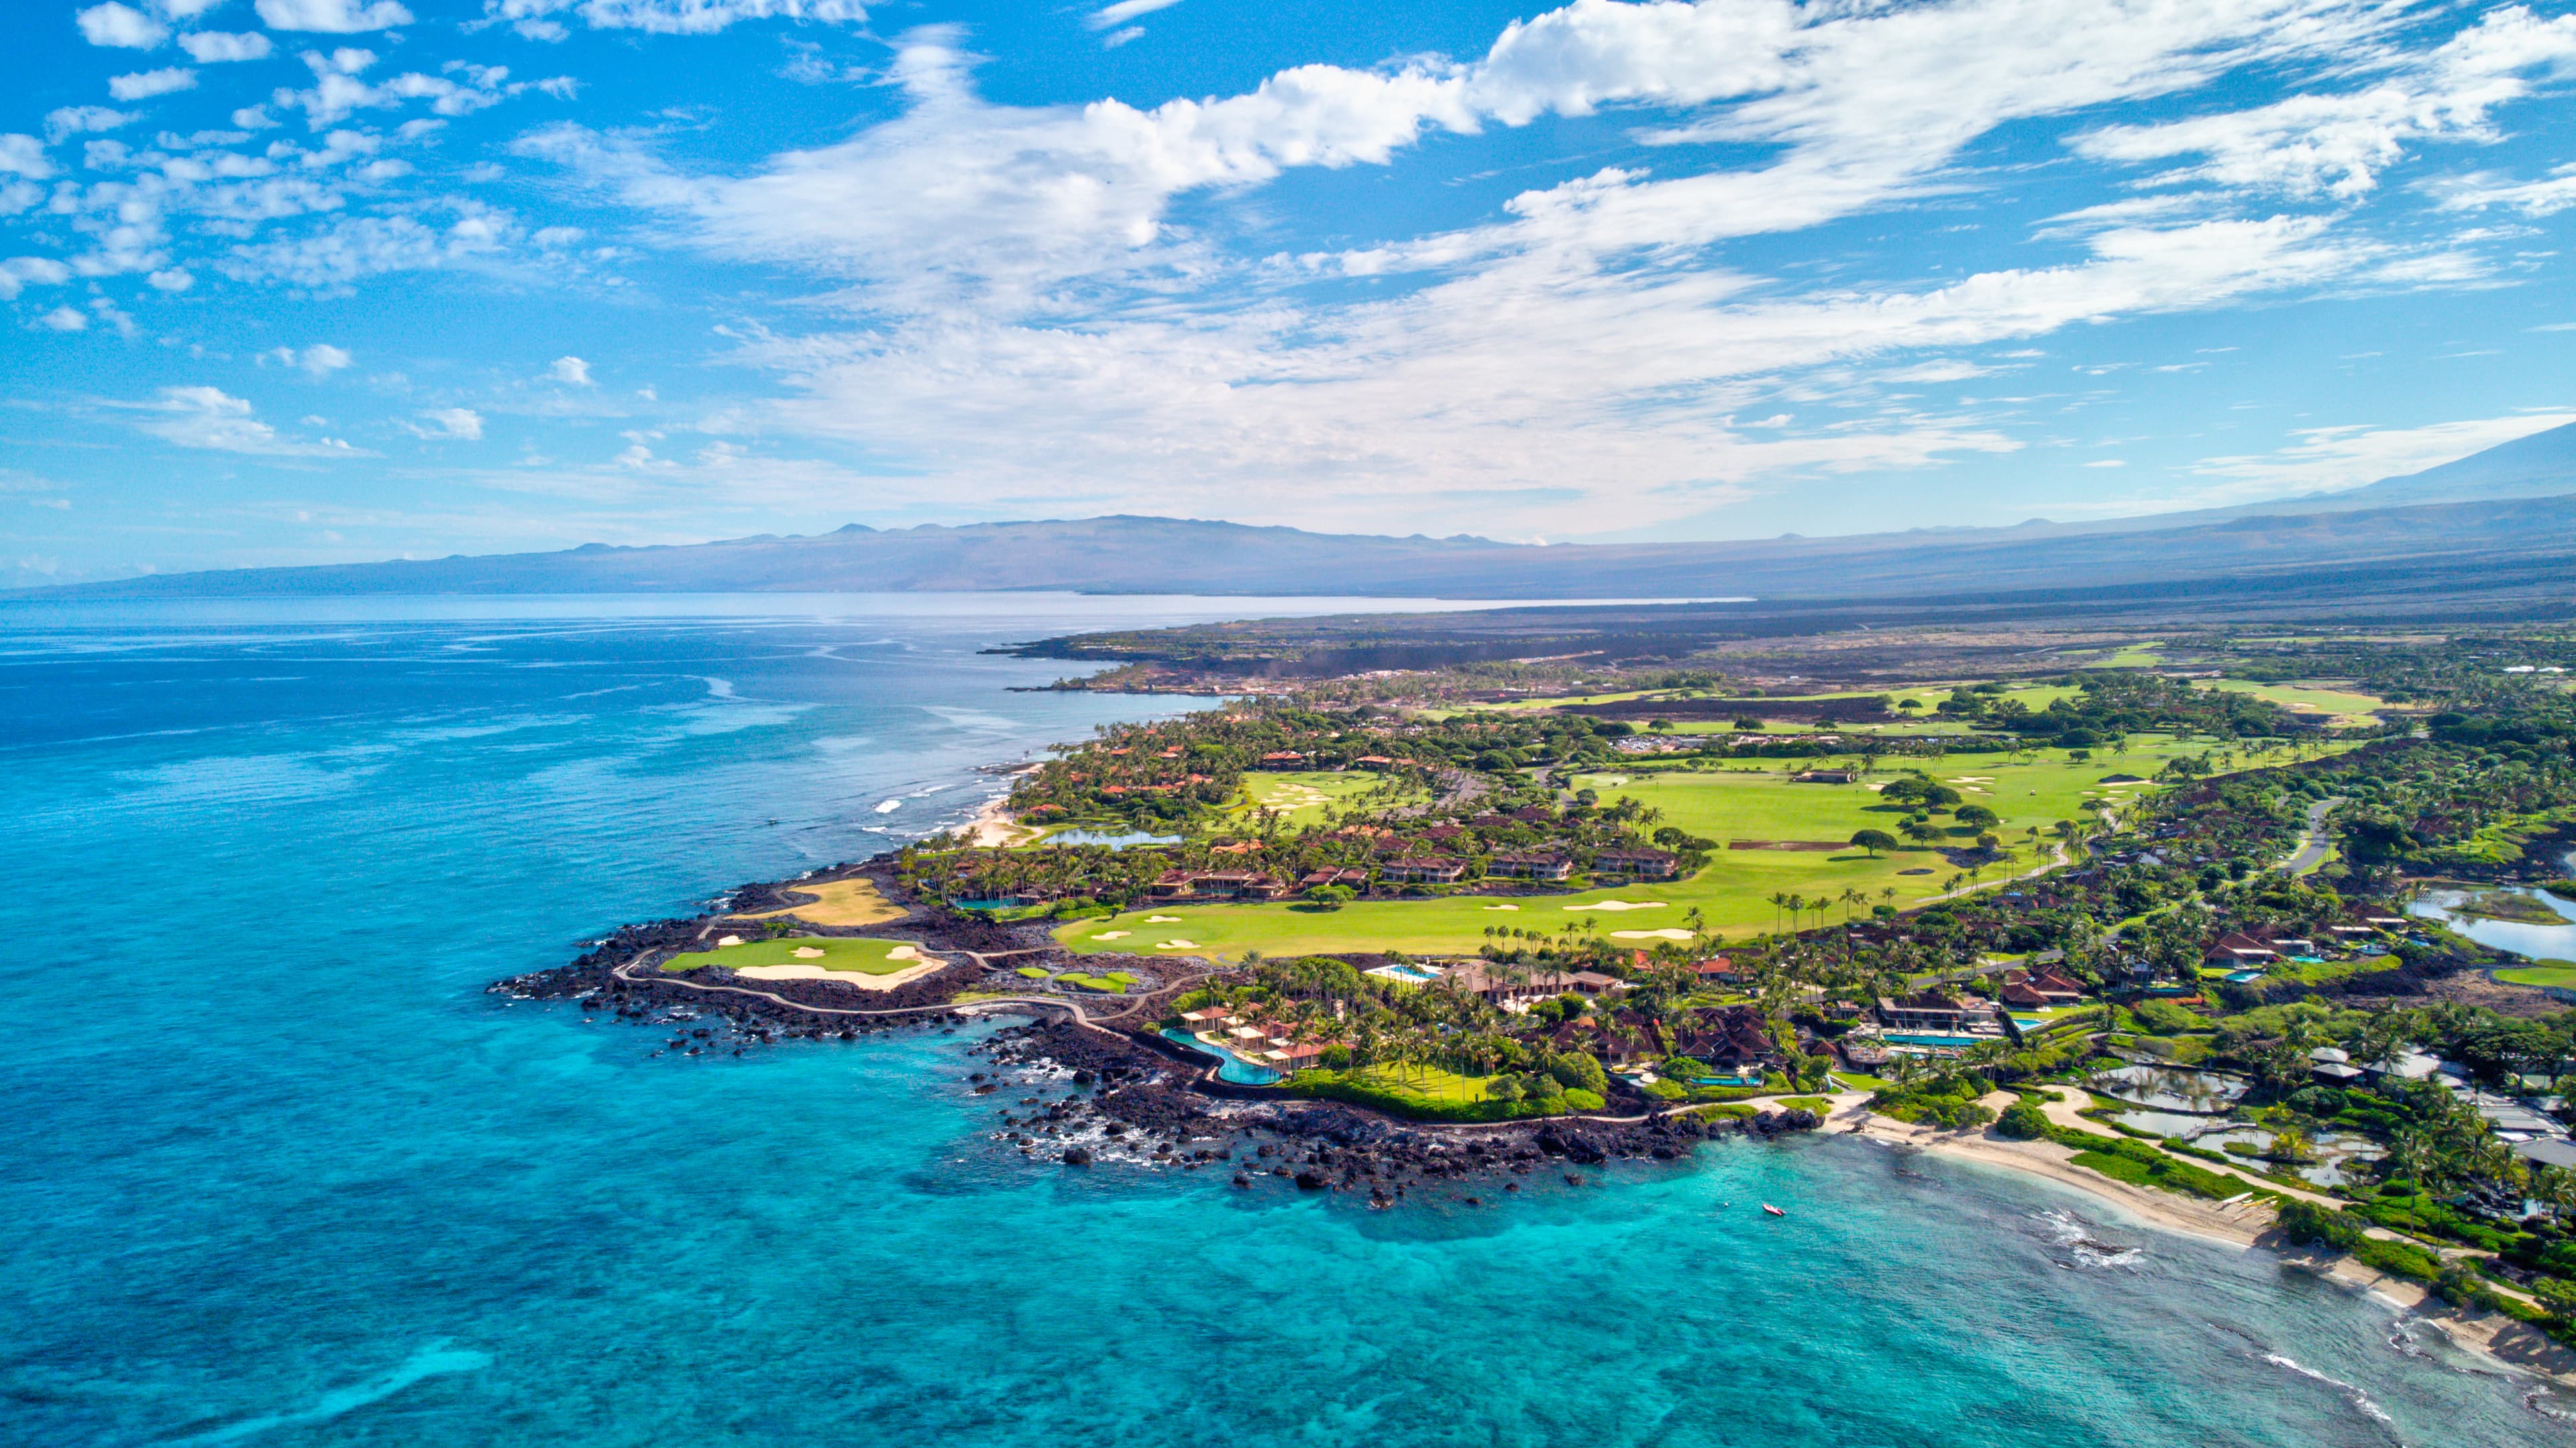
x=1078 y=1093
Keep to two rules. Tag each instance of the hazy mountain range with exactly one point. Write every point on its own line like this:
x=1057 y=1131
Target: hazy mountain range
x=2509 y=507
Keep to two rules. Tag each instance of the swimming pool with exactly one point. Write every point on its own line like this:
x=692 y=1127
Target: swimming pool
x=1411 y=973
x=1235 y=1068
x=1912 y=1039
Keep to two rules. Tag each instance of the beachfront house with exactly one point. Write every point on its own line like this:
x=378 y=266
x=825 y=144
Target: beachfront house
x=1935 y=1012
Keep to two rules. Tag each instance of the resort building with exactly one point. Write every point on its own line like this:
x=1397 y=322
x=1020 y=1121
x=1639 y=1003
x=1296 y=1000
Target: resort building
x=1643 y=864
x=1933 y=1011
x=1529 y=867
x=1426 y=869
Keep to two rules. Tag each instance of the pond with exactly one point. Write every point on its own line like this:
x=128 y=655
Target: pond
x=1115 y=842
x=2165 y=1088
x=2536 y=942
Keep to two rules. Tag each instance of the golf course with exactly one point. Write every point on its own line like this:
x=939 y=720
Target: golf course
x=1765 y=808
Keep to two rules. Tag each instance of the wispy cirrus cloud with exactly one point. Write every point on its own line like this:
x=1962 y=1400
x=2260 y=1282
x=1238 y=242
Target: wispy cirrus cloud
x=211 y=419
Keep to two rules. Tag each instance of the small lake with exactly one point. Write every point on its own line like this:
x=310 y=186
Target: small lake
x=2535 y=942
x=2167 y=1088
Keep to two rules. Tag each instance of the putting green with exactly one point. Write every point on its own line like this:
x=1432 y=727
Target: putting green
x=839 y=956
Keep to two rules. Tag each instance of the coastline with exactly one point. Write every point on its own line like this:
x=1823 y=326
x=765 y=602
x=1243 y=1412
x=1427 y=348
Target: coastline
x=2491 y=1335
x=994 y=827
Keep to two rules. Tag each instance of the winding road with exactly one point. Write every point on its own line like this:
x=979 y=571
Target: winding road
x=2314 y=843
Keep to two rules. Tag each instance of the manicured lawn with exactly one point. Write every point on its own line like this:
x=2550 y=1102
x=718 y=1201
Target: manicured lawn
x=2560 y=976
x=862 y=957
x=1422 y=1083
x=2348 y=706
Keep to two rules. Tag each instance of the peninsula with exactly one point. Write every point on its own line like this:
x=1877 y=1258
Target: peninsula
x=2144 y=915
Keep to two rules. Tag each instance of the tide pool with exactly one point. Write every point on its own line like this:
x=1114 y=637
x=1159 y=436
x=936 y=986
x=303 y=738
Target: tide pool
x=279 y=1172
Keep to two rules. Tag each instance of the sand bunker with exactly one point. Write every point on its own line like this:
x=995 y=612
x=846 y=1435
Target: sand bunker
x=1502 y=907
x=1113 y=935
x=1650 y=935
x=839 y=977
x=1176 y=945
x=1619 y=905
x=807 y=952
x=1974 y=779
x=903 y=952
x=1162 y=920
x=724 y=940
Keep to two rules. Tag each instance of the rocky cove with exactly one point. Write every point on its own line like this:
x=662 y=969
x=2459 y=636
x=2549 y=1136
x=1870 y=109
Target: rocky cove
x=1083 y=1090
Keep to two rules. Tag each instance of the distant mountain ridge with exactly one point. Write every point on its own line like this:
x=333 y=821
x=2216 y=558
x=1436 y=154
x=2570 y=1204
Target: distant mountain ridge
x=2515 y=502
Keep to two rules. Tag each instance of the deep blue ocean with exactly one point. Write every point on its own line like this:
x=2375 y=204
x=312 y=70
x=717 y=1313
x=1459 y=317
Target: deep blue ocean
x=275 y=1169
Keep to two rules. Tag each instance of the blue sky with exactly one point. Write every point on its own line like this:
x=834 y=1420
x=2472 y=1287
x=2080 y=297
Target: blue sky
x=310 y=280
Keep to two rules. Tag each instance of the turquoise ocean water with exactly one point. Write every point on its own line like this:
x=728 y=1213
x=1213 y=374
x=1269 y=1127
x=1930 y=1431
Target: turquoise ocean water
x=274 y=1169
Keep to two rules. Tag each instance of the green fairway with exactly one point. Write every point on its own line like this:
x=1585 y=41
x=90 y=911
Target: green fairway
x=2347 y=707
x=1302 y=796
x=837 y=955
x=2562 y=977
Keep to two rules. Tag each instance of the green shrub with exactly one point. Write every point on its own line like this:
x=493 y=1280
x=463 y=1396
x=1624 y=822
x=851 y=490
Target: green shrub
x=2023 y=1121
x=2307 y=1222
x=1579 y=1099
x=2397 y=1259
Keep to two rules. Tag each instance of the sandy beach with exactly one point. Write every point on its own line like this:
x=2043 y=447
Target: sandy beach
x=994 y=827
x=2245 y=1226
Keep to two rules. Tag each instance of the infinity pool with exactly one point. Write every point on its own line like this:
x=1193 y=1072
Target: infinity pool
x=1235 y=1068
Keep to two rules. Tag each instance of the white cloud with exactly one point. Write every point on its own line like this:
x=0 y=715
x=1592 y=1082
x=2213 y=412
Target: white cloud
x=73 y=120
x=570 y=370
x=1110 y=17
x=64 y=319
x=332 y=17
x=2336 y=144
x=1021 y=263
x=367 y=246
x=2482 y=189
x=212 y=419
x=174 y=280
x=320 y=360
x=122 y=26
x=460 y=424
x=24 y=155
x=144 y=84
x=664 y=17
x=337 y=89
x=2332 y=459
x=20 y=272
x=213 y=47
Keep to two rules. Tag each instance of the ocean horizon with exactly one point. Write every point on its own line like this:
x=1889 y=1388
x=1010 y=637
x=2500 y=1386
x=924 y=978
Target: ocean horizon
x=283 y=1172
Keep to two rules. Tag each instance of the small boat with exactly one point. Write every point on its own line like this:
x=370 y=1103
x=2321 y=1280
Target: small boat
x=1775 y=1211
